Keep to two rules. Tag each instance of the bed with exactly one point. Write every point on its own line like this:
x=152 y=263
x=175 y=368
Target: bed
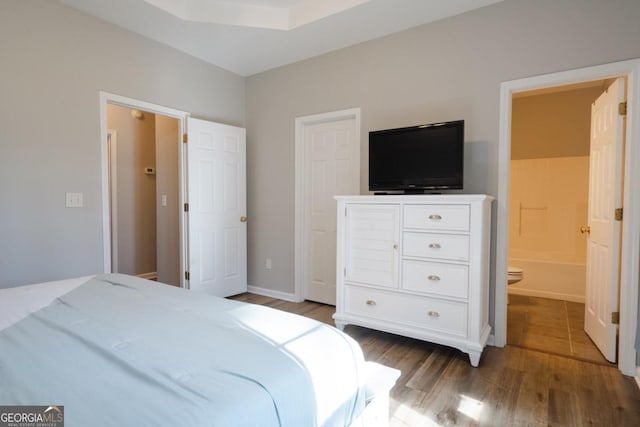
x=119 y=350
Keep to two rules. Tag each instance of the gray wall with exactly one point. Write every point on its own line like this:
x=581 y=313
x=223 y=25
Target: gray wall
x=55 y=60
x=168 y=183
x=447 y=70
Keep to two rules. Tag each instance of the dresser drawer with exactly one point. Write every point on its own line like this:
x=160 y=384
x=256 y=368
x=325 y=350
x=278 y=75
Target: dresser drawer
x=436 y=278
x=437 y=217
x=439 y=315
x=433 y=245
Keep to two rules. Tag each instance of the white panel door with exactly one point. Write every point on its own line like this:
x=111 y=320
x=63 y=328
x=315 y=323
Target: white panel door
x=217 y=208
x=331 y=159
x=605 y=195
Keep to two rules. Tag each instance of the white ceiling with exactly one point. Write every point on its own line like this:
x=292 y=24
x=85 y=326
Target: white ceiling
x=251 y=36
x=272 y=14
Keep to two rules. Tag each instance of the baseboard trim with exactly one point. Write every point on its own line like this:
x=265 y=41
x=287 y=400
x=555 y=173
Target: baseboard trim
x=273 y=294
x=543 y=294
x=491 y=340
x=637 y=377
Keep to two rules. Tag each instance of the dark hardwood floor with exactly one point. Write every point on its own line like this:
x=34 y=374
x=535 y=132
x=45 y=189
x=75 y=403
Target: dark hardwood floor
x=513 y=386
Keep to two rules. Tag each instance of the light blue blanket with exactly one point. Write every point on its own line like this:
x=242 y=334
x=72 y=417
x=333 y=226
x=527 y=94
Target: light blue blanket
x=122 y=351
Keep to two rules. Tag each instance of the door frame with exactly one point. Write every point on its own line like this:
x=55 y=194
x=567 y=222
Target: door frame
x=301 y=221
x=112 y=142
x=630 y=248
x=181 y=116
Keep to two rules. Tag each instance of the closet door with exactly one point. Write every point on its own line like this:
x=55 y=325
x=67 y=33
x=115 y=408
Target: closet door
x=217 y=227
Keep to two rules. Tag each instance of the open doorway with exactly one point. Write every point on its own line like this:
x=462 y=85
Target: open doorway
x=548 y=217
x=144 y=176
x=630 y=245
x=212 y=214
x=162 y=121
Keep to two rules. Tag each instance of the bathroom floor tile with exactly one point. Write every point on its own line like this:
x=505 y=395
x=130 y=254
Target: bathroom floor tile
x=519 y=301
x=553 y=331
x=518 y=316
x=575 y=308
x=580 y=337
x=515 y=333
x=547 y=303
x=552 y=326
x=576 y=322
x=548 y=321
x=550 y=313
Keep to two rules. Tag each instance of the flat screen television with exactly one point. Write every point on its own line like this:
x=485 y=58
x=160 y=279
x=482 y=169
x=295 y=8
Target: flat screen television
x=416 y=159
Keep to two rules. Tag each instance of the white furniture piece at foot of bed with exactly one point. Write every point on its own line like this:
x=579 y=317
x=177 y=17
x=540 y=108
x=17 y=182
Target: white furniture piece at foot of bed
x=416 y=266
x=379 y=381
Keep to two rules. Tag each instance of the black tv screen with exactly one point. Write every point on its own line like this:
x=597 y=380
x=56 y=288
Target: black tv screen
x=417 y=158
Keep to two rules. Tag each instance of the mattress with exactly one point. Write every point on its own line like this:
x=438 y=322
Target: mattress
x=119 y=350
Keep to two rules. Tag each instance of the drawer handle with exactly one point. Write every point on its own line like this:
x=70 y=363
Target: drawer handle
x=435 y=217
x=434 y=245
x=434 y=278
x=433 y=314
x=371 y=303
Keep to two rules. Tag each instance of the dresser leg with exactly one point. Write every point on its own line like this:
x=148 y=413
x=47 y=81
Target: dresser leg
x=340 y=325
x=474 y=358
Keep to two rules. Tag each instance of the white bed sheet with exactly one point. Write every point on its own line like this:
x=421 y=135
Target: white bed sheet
x=18 y=302
x=166 y=356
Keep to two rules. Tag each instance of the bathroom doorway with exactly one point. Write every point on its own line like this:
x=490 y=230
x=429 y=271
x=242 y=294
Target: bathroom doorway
x=630 y=245
x=548 y=218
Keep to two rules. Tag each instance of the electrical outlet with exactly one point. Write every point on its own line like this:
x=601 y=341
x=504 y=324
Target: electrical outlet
x=74 y=200
x=268 y=264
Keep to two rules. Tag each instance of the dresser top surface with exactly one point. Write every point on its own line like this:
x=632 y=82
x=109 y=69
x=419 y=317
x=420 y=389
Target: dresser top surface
x=417 y=198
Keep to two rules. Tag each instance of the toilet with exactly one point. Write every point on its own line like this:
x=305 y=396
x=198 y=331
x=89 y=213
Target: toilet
x=514 y=275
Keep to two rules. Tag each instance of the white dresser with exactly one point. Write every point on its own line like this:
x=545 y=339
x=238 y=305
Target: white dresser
x=416 y=266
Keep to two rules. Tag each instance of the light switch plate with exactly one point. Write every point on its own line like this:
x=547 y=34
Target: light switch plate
x=74 y=200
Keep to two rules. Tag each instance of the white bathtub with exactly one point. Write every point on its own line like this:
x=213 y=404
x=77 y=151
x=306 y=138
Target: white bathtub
x=549 y=279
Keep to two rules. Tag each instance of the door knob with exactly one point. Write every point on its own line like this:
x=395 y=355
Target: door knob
x=243 y=219
x=585 y=229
